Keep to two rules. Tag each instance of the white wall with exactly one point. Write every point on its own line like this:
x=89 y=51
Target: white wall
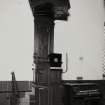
x=83 y=37
x=16 y=39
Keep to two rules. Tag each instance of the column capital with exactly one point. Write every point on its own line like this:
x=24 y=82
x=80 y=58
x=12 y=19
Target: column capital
x=58 y=9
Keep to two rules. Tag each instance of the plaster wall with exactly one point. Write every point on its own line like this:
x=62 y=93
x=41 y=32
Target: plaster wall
x=82 y=37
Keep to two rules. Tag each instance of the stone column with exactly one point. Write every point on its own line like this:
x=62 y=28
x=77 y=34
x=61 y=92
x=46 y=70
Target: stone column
x=43 y=41
x=45 y=12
